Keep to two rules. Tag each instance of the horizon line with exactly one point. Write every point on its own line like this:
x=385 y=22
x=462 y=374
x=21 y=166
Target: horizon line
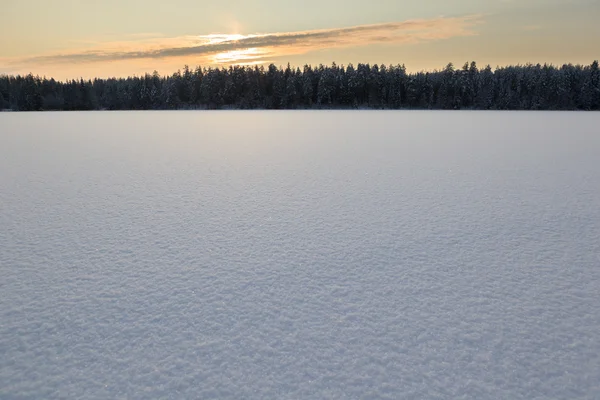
x=295 y=67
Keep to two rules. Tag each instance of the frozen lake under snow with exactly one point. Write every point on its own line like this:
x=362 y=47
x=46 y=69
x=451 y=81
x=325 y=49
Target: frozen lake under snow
x=301 y=254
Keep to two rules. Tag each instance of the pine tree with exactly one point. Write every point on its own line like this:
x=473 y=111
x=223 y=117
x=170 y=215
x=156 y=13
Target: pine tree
x=171 y=95
x=3 y=102
x=307 y=86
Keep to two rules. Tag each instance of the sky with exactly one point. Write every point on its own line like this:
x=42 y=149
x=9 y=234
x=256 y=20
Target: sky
x=88 y=38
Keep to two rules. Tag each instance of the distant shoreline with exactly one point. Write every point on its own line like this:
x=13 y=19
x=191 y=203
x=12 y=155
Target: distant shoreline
x=292 y=109
x=369 y=87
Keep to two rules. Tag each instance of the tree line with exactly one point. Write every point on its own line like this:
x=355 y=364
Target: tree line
x=522 y=87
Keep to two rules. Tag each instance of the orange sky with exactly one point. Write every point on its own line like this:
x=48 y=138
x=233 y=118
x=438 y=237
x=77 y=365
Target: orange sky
x=73 y=38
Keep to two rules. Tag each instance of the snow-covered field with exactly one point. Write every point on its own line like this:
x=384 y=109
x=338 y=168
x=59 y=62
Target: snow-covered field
x=291 y=255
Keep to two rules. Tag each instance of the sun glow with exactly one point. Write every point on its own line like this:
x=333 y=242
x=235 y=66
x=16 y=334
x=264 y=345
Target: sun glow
x=243 y=56
x=216 y=38
x=249 y=56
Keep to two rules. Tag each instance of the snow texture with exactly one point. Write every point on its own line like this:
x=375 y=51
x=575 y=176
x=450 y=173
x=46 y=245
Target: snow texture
x=287 y=255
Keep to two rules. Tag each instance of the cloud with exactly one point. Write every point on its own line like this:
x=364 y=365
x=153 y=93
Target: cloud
x=253 y=48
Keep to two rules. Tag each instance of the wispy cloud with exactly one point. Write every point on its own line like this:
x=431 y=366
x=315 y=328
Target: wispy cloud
x=254 y=48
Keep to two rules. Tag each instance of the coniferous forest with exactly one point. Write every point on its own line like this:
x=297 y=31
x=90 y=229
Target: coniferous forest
x=523 y=87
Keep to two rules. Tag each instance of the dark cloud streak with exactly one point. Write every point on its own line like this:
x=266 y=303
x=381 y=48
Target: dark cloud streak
x=357 y=35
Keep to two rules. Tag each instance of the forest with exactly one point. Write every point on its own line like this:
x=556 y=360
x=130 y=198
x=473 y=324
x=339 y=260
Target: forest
x=521 y=87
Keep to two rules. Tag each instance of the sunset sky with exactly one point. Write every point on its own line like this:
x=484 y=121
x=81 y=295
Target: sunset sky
x=73 y=38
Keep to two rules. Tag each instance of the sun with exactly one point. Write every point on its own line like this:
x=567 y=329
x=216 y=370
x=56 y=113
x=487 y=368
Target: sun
x=216 y=38
x=244 y=56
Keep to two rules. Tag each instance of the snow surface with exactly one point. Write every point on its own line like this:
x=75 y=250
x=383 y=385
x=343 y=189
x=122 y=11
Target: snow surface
x=287 y=255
